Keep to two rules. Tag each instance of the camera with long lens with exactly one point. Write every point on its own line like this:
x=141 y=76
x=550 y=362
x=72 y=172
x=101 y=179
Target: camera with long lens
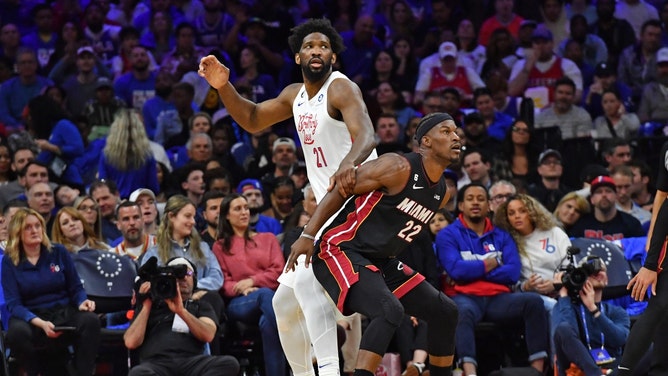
x=162 y=278
x=574 y=277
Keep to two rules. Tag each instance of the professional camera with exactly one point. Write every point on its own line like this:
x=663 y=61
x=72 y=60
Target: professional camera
x=162 y=278
x=574 y=277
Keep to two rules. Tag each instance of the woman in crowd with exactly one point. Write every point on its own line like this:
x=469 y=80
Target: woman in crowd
x=127 y=158
x=615 y=121
x=500 y=54
x=389 y=100
x=251 y=263
x=91 y=213
x=43 y=290
x=381 y=71
x=519 y=161
x=72 y=231
x=569 y=209
x=281 y=199
x=406 y=65
x=161 y=39
x=6 y=173
x=541 y=243
x=57 y=137
x=262 y=85
x=469 y=51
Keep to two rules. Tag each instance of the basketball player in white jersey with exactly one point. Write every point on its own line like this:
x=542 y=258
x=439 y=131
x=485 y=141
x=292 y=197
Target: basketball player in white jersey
x=336 y=135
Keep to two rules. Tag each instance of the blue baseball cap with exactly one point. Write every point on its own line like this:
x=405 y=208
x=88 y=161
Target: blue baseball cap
x=247 y=184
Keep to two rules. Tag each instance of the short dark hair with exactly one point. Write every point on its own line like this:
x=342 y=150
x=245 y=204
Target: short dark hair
x=216 y=173
x=473 y=117
x=479 y=92
x=648 y=23
x=565 y=81
x=186 y=170
x=210 y=195
x=126 y=204
x=184 y=25
x=110 y=184
x=610 y=145
x=469 y=151
x=453 y=91
x=22 y=173
x=641 y=165
x=315 y=25
x=462 y=191
x=14 y=203
x=38 y=8
x=128 y=31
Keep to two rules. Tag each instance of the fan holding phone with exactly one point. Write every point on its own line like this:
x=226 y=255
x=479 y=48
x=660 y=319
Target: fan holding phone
x=45 y=298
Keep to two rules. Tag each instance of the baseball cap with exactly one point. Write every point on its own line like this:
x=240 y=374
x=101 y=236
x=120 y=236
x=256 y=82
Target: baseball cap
x=662 y=55
x=181 y=261
x=528 y=23
x=85 y=49
x=548 y=153
x=542 y=32
x=284 y=141
x=447 y=49
x=601 y=181
x=103 y=82
x=603 y=70
x=141 y=191
x=248 y=184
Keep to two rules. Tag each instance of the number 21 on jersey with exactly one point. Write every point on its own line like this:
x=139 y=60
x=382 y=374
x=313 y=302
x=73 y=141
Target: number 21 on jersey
x=320 y=160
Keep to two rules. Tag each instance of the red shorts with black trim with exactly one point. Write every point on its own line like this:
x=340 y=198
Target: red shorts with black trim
x=338 y=270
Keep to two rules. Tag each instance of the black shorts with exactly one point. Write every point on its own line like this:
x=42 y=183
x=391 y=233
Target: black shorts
x=338 y=270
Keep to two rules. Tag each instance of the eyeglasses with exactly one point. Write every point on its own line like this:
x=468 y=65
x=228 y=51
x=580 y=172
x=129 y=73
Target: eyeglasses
x=520 y=130
x=501 y=197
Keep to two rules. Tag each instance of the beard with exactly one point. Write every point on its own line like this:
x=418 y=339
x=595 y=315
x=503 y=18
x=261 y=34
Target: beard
x=316 y=75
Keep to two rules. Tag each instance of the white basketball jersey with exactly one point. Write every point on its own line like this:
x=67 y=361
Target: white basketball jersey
x=325 y=141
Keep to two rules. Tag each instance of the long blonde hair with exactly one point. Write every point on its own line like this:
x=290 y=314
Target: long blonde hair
x=58 y=236
x=540 y=218
x=164 y=237
x=127 y=145
x=15 y=239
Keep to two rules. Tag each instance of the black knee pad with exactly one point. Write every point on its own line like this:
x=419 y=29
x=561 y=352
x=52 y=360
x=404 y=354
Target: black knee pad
x=392 y=311
x=446 y=307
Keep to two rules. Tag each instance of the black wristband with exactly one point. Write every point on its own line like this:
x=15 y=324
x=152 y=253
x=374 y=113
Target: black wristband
x=594 y=312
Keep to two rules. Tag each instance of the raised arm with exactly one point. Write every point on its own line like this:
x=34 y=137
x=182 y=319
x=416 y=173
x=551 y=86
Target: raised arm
x=346 y=98
x=389 y=173
x=251 y=116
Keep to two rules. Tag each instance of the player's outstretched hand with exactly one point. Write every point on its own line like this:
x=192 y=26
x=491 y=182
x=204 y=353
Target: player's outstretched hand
x=303 y=246
x=641 y=282
x=215 y=73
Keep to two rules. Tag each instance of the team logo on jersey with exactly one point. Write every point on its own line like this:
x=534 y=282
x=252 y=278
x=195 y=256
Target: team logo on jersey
x=306 y=126
x=320 y=97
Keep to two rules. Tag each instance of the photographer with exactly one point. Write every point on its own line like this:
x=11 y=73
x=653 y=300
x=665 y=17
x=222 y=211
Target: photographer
x=171 y=333
x=589 y=333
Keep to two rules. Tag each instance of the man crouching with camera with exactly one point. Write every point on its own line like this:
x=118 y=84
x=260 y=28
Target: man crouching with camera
x=171 y=332
x=588 y=334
